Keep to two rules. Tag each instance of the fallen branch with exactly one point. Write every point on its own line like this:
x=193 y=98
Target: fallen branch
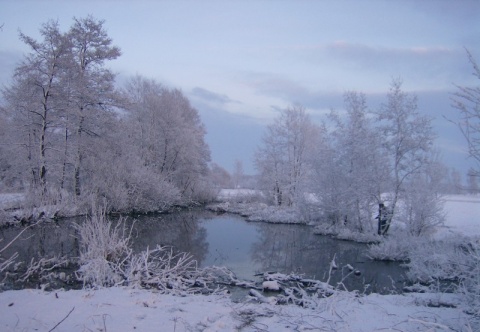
x=43 y=266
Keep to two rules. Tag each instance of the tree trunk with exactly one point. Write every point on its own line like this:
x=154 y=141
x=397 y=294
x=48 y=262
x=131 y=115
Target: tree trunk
x=78 y=163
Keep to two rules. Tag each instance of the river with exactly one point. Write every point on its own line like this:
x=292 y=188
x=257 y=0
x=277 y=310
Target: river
x=247 y=248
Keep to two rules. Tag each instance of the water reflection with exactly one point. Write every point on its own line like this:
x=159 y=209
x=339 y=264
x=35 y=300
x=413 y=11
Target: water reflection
x=295 y=249
x=180 y=230
x=231 y=240
x=225 y=240
x=45 y=240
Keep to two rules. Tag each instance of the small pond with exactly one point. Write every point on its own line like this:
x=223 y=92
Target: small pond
x=247 y=248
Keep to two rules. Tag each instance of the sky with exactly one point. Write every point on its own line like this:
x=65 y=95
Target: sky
x=240 y=62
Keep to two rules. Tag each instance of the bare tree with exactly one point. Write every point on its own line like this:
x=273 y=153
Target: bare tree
x=220 y=177
x=467 y=101
x=456 y=182
x=238 y=174
x=472 y=182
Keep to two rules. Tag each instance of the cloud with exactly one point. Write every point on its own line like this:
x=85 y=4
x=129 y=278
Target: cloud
x=210 y=96
x=291 y=92
x=423 y=65
x=381 y=57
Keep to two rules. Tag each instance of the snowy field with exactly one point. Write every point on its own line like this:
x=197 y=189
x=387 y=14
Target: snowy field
x=463 y=215
x=124 y=309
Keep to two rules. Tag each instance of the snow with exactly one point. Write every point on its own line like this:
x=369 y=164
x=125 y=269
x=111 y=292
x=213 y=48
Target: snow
x=271 y=285
x=122 y=309
x=463 y=216
x=9 y=200
x=228 y=194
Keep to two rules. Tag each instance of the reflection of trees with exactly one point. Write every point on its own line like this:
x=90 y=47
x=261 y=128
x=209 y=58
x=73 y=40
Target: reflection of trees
x=45 y=240
x=180 y=230
x=293 y=248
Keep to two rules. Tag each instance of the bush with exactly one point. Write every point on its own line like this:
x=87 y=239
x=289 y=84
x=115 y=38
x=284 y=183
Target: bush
x=106 y=259
x=104 y=250
x=395 y=247
x=470 y=281
x=455 y=259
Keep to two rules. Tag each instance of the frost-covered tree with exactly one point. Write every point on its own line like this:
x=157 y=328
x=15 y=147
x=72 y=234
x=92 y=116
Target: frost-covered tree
x=282 y=158
x=356 y=169
x=10 y=176
x=422 y=208
x=220 y=177
x=58 y=96
x=327 y=179
x=407 y=139
x=34 y=101
x=467 y=101
x=238 y=174
x=456 y=182
x=472 y=182
x=92 y=85
x=168 y=134
x=62 y=113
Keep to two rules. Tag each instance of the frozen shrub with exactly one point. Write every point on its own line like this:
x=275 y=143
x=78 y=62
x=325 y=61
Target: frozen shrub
x=393 y=248
x=430 y=260
x=470 y=281
x=422 y=209
x=455 y=259
x=106 y=259
x=104 y=249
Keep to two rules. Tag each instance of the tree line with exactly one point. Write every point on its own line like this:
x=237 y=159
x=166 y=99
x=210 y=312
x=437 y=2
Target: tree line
x=69 y=133
x=361 y=161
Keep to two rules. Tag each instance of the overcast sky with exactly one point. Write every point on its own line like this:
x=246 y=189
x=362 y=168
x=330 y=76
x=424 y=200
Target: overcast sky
x=239 y=62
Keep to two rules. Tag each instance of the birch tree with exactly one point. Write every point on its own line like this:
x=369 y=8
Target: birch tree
x=35 y=99
x=238 y=174
x=358 y=164
x=422 y=208
x=92 y=83
x=282 y=158
x=407 y=139
x=467 y=101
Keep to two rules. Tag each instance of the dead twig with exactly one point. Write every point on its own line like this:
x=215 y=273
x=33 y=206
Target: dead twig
x=60 y=322
x=16 y=237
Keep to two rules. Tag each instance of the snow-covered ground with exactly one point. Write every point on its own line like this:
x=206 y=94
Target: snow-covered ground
x=463 y=215
x=9 y=200
x=124 y=309
x=120 y=309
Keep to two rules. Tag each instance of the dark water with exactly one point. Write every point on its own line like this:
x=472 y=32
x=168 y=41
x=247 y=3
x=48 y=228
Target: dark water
x=228 y=240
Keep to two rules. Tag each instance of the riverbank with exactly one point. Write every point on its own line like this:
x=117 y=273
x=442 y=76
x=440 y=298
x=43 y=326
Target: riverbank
x=461 y=215
x=123 y=309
